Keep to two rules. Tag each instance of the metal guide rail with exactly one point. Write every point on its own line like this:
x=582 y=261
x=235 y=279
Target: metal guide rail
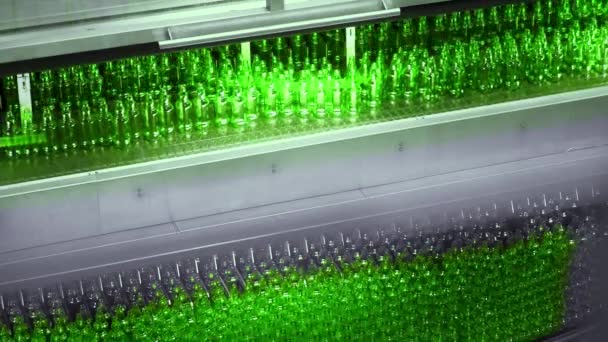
x=28 y=31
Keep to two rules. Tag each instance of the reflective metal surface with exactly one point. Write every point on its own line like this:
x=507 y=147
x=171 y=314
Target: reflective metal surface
x=113 y=200
x=502 y=190
x=266 y=26
x=33 y=29
x=17 y=14
x=88 y=35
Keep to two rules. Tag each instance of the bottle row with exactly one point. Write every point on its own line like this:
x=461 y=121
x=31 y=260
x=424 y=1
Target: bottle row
x=297 y=81
x=386 y=288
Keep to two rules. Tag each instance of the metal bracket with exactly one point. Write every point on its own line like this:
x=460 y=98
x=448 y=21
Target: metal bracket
x=275 y=5
x=283 y=27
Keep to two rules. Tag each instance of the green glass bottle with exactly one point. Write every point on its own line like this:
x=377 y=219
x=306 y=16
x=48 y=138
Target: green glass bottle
x=280 y=49
x=5 y=334
x=298 y=51
x=509 y=17
x=474 y=61
x=539 y=51
x=202 y=109
x=467 y=24
x=222 y=107
x=94 y=81
x=183 y=111
x=428 y=80
x=592 y=51
x=564 y=15
x=337 y=99
x=320 y=99
x=440 y=30
x=422 y=31
x=19 y=326
x=538 y=14
x=165 y=69
x=114 y=82
x=134 y=119
x=67 y=128
x=49 y=129
x=287 y=97
x=393 y=82
x=167 y=114
x=513 y=76
x=407 y=33
x=122 y=129
x=238 y=110
x=494 y=20
x=455 y=25
x=153 y=120
x=228 y=76
x=498 y=66
x=583 y=9
x=458 y=83
x=445 y=59
x=88 y=126
x=270 y=100
x=336 y=48
x=555 y=56
x=263 y=49
x=124 y=77
x=411 y=79
x=80 y=84
x=604 y=49
x=9 y=131
x=318 y=49
x=181 y=68
x=351 y=104
x=9 y=90
x=383 y=43
x=64 y=87
x=139 y=116
x=303 y=100
x=105 y=122
x=479 y=22
x=375 y=89
x=45 y=90
x=521 y=17
x=151 y=74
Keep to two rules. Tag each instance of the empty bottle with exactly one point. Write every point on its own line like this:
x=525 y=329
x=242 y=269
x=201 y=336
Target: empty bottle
x=67 y=128
x=121 y=127
x=222 y=107
x=183 y=111
x=153 y=120
x=88 y=126
x=49 y=129
x=201 y=109
x=238 y=111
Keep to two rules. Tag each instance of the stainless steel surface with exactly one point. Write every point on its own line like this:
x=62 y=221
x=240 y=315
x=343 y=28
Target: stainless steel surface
x=90 y=35
x=295 y=17
x=32 y=29
x=275 y=5
x=566 y=178
x=114 y=200
x=266 y=26
x=17 y=14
